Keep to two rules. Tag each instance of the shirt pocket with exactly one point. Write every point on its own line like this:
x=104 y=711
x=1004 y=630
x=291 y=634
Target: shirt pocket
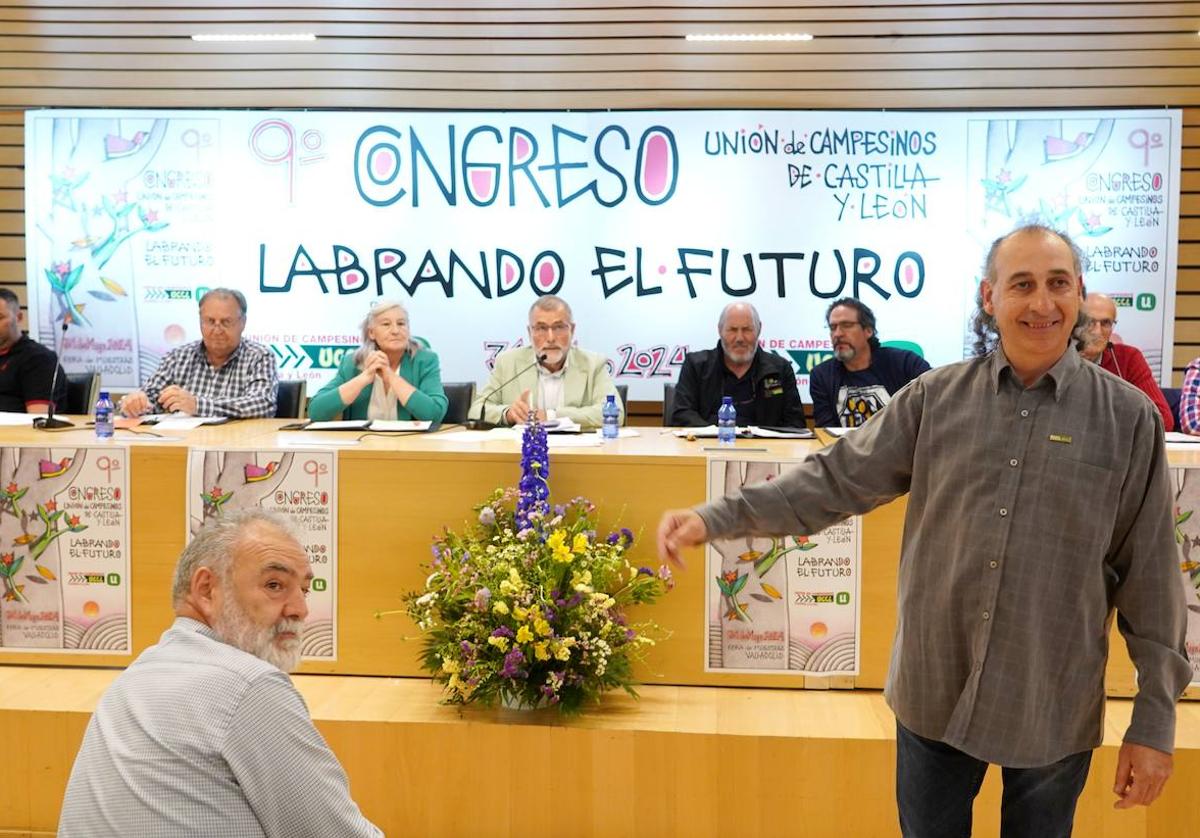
x=1075 y=505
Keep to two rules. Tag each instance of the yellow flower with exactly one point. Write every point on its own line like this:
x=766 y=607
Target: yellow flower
x=514 y=577
x=500 y=608
x=449 y=665
x=520 y=613
x=581 y=577
x=500 y=643
x=580 y=544
x=524 y=635
x=557 y=539
x=563 y=653
x=541 y=651
x=541 y=627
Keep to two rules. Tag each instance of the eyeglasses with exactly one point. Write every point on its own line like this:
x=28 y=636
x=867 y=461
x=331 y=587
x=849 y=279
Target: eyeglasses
x=1105 y=323
x=225 y=324
x=844 y=325
x=541 y=329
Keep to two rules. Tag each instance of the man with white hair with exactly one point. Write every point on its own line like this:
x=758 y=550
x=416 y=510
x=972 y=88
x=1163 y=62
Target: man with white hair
x=204 y=734
x=762 y=384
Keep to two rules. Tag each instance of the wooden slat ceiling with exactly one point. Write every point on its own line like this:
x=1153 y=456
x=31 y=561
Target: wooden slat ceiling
x=585 y=54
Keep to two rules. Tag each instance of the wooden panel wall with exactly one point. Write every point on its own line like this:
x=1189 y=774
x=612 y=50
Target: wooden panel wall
x=513 y=54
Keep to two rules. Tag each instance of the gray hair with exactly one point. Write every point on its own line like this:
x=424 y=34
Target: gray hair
x=225 y=294
x=367 y=346
x=550 y=302
x=983 y=325
x=214 y=546
x=753 y=317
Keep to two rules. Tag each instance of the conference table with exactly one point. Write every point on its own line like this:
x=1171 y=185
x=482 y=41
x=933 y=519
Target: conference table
x=396 y=492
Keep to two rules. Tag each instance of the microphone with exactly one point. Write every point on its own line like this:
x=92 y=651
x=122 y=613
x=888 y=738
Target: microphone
x=48 y=422
x=481 y=424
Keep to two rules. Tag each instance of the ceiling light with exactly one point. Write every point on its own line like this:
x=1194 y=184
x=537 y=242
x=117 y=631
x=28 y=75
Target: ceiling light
x=230 y=37
x=742 y=36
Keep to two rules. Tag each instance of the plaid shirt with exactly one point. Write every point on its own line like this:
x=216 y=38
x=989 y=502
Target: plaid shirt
x=1189 y=400
x=1032 y=513
x=244 y=388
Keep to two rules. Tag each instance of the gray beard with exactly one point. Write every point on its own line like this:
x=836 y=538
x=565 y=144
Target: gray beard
x=845 y=353
x=235 y=627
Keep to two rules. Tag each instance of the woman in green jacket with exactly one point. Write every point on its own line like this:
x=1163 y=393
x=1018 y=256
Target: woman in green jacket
x=390 y=376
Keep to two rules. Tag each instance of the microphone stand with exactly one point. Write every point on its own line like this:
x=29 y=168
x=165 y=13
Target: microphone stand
x=48 y=422
x=482 y=424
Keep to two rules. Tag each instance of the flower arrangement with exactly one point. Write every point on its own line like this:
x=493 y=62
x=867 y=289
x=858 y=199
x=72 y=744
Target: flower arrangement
x=526 y=606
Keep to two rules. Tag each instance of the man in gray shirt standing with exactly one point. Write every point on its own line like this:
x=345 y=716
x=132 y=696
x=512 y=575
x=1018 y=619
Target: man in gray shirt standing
x=204 y=734
x=1039 y=502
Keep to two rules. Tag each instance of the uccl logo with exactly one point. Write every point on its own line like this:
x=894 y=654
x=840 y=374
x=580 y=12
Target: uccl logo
x=159 y=294
x=806 y=359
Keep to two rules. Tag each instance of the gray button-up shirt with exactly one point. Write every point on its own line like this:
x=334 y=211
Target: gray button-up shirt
x=1032 y=514
x=198 y=738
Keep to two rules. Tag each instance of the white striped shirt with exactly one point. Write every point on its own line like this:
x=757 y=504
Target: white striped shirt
x=198 y=738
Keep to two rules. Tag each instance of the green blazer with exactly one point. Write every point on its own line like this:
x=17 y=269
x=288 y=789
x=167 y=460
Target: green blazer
x=585 y=385
x=422 y=371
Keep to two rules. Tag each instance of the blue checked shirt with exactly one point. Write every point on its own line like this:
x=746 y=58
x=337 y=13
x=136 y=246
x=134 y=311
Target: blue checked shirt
x=244 y=388
x=199 y=739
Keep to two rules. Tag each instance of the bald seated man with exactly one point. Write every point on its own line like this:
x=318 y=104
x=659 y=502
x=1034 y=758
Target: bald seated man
x=1121 y=359
x=762 y=384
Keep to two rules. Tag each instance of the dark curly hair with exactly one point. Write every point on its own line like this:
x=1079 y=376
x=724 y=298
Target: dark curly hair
x=866 y=317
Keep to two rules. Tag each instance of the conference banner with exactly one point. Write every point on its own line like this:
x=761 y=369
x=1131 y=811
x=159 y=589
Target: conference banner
x=1186 y=484
x=647 y=222
x=301 y=486
x=64 y=564
x=787 y=605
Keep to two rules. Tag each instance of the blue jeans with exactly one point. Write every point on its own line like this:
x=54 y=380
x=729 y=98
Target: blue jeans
x=936 y=785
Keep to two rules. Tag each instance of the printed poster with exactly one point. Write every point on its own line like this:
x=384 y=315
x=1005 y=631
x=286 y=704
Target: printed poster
x=647 y=222
x=300 y=485
x=785 y=605
x=1186 y=484
x=64 y=548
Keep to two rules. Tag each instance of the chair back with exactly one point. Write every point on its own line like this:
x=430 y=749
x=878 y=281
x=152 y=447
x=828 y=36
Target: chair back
x=668 y=403
x=623 y=392
x=83 y=388
x=291 y=400
x=460 y=394
x=1172 y=395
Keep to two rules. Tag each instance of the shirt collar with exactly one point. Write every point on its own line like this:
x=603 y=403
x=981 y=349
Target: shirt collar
x=1059 y=375
x=188 y=624
x=232 y=355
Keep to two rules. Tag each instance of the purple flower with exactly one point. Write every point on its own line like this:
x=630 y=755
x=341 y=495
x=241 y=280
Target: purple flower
x=482 y=597
x=535 y=471
x=630 y=634
x=466 y=647
x=487 y=516
x=503 y=631
x=664 y=573
x=512 y=665
x=627 y=534
x=613 y=537
x=645 y=571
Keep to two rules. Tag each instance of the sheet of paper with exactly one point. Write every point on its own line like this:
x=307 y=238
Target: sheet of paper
x=339 y=425
x=1181 y=438
x=397 y=425
x=837 y=431
x=15 y=420
x=573 y=441
x=179 y=423
x=771 y=433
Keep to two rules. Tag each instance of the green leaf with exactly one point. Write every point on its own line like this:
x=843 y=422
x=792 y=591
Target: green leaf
x=737 y=586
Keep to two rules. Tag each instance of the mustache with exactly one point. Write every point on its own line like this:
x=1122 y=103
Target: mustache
x=295 y=627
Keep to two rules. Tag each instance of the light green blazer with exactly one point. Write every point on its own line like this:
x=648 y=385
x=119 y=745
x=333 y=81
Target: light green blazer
x=586 y=383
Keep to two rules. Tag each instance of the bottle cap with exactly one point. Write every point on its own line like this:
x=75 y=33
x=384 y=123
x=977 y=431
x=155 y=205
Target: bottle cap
x=104 y=394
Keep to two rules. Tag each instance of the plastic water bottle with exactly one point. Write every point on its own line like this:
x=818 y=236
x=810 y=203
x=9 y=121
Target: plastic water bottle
x=726 y=421
x=104 y=416
x=611 y=428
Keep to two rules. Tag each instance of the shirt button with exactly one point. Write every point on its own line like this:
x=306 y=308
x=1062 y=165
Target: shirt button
x=1024 y=412
x=1003 y=512
x=987 y=615
x=993 y=564
x=1013 y=462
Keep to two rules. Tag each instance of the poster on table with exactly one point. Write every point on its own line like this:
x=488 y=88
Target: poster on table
x=786 y=605
x=302 y=486
x=1186 y=485
x=64 y=548
x=647 y=222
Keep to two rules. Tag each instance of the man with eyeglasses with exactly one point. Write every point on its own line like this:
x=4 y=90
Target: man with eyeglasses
x=762 y=384
x=219 y=375
x=1121 y=359
x=571 y=382
x=862 y=376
